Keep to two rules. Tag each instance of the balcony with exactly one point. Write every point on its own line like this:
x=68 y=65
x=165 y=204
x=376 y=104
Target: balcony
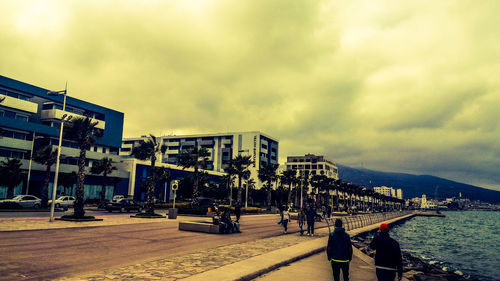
x=19 y=104
x=174 y=143
x=227 y=141
x=57 y=114
x=206 y=142
x=188 y=143
x=172 y=151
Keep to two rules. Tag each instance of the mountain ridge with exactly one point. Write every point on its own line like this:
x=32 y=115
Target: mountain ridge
x=416 y=185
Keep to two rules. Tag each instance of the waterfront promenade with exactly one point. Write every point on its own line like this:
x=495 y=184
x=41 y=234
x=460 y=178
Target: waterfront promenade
x=259 y=249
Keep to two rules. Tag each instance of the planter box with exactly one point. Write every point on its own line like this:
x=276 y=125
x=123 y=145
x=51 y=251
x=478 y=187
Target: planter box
x=172 y=213
x=206 y=227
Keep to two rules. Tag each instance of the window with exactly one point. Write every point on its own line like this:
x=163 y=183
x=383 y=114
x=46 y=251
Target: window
x=308 y=167
x=19 y=136
x=314 y=167
x=126 y=149
x=10 y=114
x=320 y=167
x=22 y=118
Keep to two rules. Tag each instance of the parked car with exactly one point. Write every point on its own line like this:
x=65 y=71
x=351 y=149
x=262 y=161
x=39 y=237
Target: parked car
x=204 y=201
x=123 y=205
x=64 y=201
x=25 y=201
x=117 y=198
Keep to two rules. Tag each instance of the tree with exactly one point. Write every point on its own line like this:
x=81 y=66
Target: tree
x=197 y=159
x=288 y=177
x=267 y=174
x=48 y=157
x=12 y=175
x=147 y=150
x=250 y=182
x=67 y=180
x=239 y=165
x=83 y=131
x=104 y=167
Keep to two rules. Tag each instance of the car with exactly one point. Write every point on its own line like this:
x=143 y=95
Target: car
x=204 y=201
x=123 y=205
x=117 y=198
x=63 y=201
x=25 y=201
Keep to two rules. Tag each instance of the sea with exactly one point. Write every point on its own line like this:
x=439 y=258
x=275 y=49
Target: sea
x=466 y=242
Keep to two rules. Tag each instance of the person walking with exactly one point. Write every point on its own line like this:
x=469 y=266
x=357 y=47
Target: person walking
x=388 y=258
x=237 y=211
x=286 y=218
x=339 y=251
x=301 y=219
x=311 y=216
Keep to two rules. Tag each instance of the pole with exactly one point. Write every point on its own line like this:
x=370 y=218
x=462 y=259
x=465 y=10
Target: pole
x=29 y=166
x=246 y=196
x=301 y=194
x=230 y=195
x=175 y=191
x=165 y=193
x=54 y=187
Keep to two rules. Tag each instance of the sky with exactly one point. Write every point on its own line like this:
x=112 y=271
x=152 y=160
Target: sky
x=401 y=86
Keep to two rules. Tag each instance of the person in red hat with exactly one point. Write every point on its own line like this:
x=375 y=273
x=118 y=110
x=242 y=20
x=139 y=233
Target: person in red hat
x=388 y=259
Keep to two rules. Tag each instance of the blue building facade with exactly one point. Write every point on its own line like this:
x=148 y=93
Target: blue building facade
x=30 y=117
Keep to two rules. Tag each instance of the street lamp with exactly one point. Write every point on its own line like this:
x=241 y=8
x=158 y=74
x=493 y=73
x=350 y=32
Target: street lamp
x=64 y=118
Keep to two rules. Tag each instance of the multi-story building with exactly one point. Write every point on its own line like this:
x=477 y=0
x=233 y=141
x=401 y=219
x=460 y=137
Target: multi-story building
x=29 y=116
x=222 y=147
x=312 y=164
x=389 y=191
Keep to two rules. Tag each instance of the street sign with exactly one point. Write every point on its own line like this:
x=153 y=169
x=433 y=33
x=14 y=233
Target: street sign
x=174 y=185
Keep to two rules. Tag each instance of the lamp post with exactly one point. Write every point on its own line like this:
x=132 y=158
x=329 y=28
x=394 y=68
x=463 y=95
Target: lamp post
x=54 y=187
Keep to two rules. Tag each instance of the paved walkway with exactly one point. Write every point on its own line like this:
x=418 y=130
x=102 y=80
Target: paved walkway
x=238 y=261
x=317 y=267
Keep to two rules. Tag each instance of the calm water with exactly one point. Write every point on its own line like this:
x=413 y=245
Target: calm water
x=466 y=241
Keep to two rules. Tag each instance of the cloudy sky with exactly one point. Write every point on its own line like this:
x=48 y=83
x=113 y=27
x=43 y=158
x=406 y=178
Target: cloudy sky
x=402 y=86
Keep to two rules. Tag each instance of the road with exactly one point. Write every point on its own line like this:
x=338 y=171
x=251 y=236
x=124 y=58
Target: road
x=48 y=254
x=39 y=214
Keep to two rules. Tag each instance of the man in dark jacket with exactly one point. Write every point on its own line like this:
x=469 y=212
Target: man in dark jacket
x=388 y=258
x=311 y=216
x=339 y=251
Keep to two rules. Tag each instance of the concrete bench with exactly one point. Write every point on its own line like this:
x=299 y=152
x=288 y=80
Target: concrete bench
x=199 y=226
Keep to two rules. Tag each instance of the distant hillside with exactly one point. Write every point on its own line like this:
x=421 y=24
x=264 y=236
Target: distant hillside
x=415 y=186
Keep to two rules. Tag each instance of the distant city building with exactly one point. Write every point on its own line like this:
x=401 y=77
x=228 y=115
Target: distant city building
x=222 y=147
x=389 y=191
x=30 y=118
x=427 y=204
x=312 y=164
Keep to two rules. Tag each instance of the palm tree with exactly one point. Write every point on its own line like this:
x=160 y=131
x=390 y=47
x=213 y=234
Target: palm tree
x=104 y=167
x=83 y=131
x=12 y=175
x=147 y=150
x=239 y=165
x=267 y=174
x=288 y=177
x=250 y=184
x=67 y=180
x=196 y=158
x=48 y=157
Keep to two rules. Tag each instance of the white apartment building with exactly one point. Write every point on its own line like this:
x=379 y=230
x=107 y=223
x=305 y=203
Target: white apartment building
x=389 y=191
x=222 y=147
x=312 y=164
